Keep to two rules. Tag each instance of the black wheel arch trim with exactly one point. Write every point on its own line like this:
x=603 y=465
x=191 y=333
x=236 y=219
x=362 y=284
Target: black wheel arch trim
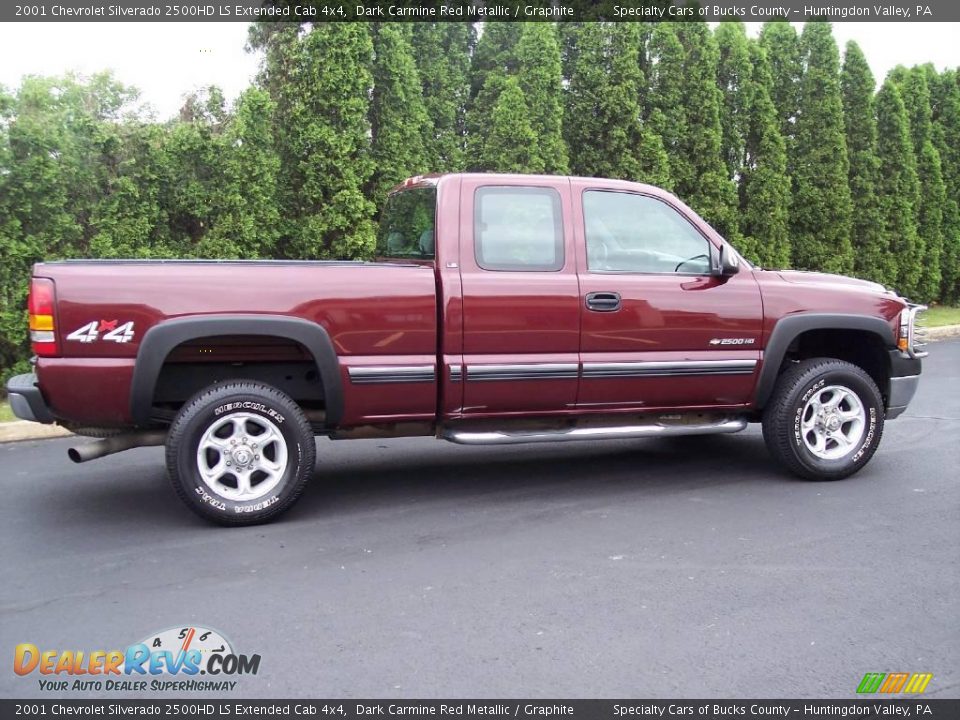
x=162 y=338
x=789 y=328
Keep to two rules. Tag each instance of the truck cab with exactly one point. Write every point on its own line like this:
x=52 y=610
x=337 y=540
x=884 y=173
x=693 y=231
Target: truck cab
x=569 y=296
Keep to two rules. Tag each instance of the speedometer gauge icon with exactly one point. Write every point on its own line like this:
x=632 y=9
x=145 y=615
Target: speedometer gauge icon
x=190 y=637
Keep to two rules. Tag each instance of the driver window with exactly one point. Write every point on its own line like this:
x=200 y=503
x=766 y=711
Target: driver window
x=636 y=233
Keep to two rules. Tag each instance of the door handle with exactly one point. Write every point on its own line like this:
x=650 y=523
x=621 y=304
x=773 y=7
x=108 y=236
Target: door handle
x=603 y=301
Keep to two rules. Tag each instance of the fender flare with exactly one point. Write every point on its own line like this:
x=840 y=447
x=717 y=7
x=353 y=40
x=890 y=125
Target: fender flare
x=162 y=338
x=789 y=328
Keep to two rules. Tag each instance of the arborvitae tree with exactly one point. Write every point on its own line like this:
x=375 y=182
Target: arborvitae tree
x=17 y=252
x=137 y=210
x=398 y=119
x=442 y=51
x=821 y=214
x=666 y=113
x=13 y=329
x=898 y=189
x=510 y=144
x=585 y=45
x=323 y=110
x=495 y=53
x=569 y=34
x=248 y=219
x=930 y=227
x=946 y=136
x=694 y=146
x=653 y=160
x=540 y=78
x=529 y=52
x=603 y=125
x=780 y=41
x=478 y=118
x=197 y=165
x=493 y=61
x=871 y=252
x=646 y=35
x=764 y=183
x=733 y=78
x=626 y=42
x=916 y=100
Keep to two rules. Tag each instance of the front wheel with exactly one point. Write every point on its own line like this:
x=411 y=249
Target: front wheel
x=240 y=453
x=824 y=420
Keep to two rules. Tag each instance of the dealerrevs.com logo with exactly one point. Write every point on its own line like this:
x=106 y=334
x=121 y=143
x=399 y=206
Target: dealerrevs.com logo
x=190 y=658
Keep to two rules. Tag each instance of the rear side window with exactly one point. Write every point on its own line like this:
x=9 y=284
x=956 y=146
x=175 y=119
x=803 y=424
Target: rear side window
x=407 y=225
x=518 y=228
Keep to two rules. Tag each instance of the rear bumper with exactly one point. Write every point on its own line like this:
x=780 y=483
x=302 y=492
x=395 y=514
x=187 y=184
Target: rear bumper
x=26 y=401
x=904 y=380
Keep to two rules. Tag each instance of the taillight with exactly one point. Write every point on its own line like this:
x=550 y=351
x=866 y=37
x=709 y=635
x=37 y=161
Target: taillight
x=40 y=305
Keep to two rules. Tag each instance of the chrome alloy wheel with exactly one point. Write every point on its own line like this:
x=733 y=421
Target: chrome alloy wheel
x=242 y=456
x=833 y=422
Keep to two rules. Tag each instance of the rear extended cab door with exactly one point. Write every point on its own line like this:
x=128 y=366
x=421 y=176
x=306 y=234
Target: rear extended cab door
x=519 y=316
x=657 y=332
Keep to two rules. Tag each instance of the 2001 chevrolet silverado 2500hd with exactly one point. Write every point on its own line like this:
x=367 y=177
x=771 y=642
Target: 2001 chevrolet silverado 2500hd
x=501 y=309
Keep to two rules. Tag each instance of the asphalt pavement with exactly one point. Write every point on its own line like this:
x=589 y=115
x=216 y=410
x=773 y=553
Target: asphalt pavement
x=686 y=567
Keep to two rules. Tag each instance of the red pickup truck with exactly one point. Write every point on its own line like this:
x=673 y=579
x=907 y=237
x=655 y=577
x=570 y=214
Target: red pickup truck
x=500 y=309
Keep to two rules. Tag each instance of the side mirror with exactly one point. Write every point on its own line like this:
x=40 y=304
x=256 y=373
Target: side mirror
x=727 y=263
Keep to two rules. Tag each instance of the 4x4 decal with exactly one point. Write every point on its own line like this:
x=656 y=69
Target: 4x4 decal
x=112 y=331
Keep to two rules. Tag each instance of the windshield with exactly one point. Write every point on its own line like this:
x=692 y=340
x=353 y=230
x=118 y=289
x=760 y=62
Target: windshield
x=407 y=225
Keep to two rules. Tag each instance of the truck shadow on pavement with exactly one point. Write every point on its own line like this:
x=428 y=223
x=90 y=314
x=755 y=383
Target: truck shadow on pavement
x=362 y=476
x=383 y=476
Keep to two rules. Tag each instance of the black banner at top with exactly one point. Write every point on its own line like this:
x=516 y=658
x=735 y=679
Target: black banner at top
x=477 y=10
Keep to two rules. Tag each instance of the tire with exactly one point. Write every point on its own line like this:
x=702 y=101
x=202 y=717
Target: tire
x=258 y=453
x=833 y=444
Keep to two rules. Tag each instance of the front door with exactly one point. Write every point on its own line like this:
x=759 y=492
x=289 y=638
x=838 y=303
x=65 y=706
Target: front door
x=658 y=330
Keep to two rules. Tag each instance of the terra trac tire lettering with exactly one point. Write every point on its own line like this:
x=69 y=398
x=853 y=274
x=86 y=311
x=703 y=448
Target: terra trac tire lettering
x=824 y=420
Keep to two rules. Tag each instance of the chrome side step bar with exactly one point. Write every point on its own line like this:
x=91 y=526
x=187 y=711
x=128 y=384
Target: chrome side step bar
x=466 y=436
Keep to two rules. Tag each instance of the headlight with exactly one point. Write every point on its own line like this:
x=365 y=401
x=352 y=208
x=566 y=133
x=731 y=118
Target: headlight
x=911 y=332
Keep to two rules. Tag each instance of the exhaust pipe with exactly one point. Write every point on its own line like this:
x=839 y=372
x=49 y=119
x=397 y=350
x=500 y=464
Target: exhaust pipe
x=119 y=443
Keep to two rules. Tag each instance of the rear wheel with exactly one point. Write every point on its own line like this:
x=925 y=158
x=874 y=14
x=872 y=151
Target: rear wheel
x=824 y=420
x=240 y=453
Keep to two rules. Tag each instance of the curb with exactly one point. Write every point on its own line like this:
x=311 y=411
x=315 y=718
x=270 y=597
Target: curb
x=25 y=430
x=944 y=332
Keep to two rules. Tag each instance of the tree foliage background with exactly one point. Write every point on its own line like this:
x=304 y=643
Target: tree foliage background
x=785 y=145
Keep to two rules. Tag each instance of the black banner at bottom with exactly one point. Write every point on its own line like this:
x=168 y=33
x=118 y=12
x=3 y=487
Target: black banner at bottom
x=914 y=707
